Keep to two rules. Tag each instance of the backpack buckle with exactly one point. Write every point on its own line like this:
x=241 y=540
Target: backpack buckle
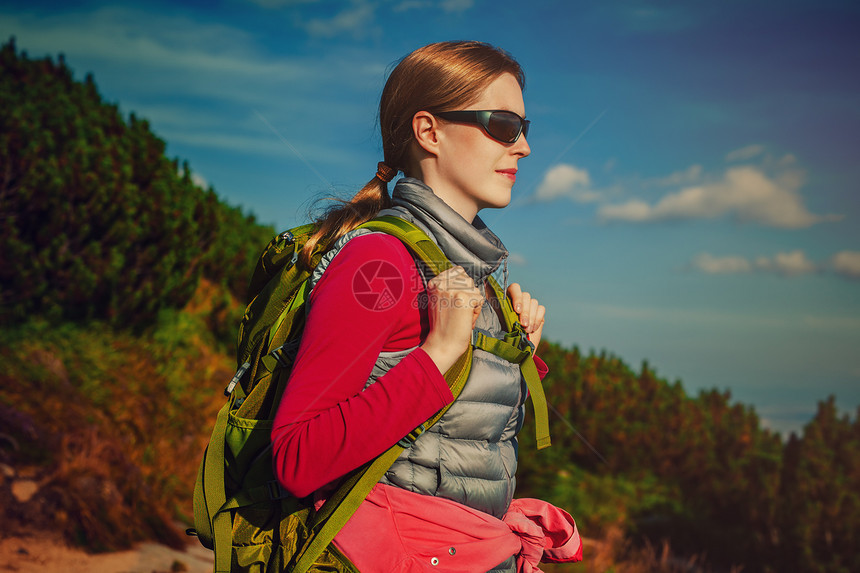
x=276 y=490
x=286 y=353
x=409 y=439
x=240 y=373
x=524 y=341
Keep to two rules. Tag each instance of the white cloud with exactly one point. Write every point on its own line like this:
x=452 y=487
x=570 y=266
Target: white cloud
x=566 y=181
x=745 y=153
x=787 y=159
x=196 y=178
x=355 y=21
x=517 y=259
x=140 y=39
x=789 y=264
x=745 y=193
x=266 y=143
x=712 y=265
x=199 y=180
x=847 y=264
x=449 y=6
x=633 y=211
x=688 y=176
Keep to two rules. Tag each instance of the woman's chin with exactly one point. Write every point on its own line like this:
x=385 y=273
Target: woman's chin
x=498 y=202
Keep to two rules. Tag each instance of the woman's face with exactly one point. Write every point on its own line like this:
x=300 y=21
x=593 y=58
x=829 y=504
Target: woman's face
x=473 y=170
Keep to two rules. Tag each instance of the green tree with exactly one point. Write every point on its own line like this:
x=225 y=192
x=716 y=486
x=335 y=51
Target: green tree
x=819 y=513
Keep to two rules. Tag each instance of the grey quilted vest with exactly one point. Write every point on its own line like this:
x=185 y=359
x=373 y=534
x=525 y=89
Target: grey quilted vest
x=470 y=454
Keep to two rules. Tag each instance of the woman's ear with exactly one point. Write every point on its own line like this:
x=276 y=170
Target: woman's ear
x=424 y=129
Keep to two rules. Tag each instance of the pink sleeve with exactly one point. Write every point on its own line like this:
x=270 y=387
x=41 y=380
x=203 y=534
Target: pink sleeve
x=548 y=534
x=542 y=368
x=326 y=424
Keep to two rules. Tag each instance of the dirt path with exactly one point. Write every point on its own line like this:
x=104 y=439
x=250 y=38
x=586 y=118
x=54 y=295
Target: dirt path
x=41 y=555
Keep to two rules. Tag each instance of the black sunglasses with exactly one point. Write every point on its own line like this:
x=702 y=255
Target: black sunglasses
x=502 y=125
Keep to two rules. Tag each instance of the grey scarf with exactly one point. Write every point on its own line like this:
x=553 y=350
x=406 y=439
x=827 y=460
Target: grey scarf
x=471 y=245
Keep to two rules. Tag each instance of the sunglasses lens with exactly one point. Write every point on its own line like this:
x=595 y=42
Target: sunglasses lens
x=505 y=126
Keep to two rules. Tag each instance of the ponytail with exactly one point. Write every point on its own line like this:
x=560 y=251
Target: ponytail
x=344 y=216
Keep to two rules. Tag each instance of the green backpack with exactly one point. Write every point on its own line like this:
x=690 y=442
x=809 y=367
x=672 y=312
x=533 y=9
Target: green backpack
x=240 y=509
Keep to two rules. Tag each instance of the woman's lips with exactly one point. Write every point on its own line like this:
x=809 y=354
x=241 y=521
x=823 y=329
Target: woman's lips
x=509 y=173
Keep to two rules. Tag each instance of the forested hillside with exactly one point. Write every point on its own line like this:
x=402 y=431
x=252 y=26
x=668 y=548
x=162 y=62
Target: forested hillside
x=120 y=283
x=97 y=222
x=632 y=449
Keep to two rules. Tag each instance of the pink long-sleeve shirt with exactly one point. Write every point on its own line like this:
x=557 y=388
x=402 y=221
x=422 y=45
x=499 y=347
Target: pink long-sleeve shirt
x=327 y=423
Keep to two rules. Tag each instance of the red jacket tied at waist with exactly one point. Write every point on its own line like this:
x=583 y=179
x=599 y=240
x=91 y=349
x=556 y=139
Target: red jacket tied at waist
x=396 y=530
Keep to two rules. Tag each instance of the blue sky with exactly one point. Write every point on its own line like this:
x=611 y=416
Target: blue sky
x=690 y=199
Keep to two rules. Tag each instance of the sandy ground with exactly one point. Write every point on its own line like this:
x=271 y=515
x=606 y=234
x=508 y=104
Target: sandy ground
x=32 y=555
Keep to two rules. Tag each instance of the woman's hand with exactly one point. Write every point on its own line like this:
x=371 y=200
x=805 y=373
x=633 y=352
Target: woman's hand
x=531 y=314
x=454 y=304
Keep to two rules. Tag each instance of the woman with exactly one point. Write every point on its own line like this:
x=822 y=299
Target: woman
x=356 y=390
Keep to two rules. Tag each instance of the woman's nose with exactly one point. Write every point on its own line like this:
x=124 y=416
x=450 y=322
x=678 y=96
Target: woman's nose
x=521 y=147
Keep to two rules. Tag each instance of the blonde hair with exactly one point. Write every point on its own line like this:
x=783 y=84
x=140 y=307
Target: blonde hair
x=438 y=77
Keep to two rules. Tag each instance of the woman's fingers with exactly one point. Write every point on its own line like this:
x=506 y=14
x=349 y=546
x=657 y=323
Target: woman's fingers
x=455 y=304
x=529 y=311
x=526 y=312
x=515 y=293
x=540 y=316
x=453 y=307
x=535 y=321
x=454 y=288
x=452 y=279
x=535 y=336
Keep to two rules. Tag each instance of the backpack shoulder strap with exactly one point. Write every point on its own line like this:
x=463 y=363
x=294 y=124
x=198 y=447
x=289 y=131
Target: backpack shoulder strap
x=515 y=347
x=340 y=506
x=414 y=238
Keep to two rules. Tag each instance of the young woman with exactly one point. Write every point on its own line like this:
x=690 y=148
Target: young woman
x=380 y=335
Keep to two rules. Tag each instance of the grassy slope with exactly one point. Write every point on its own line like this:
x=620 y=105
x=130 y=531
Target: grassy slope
x=109 y=425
